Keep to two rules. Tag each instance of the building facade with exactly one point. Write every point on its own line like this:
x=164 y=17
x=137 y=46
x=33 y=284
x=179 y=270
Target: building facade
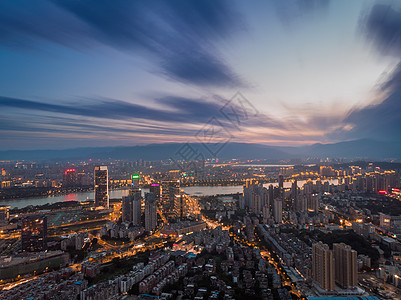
x=323 y=266
x=34 y=234
x=101 y=176
x=346 y=265
x=150 y=212
x=170 y=200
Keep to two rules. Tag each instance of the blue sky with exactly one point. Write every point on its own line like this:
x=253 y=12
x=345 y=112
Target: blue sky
x=105 y=73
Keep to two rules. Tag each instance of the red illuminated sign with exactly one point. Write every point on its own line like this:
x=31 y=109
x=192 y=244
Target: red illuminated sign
x=69 y=170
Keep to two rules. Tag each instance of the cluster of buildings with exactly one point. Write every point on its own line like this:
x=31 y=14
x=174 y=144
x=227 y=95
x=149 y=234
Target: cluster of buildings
x=183 y=227
x=307 y=219
x=132 y=209
x=164 y=198
x=295 y=254
x=12 y=267
x=121 y=231
x=337 y=266
x=333 y=272
x=215 y=239
x=71 y=178
x=269 y=202
x=371 y=182
x=74 y=241
x=244 y=265
x=151 y=278
x=64 y=284
x=262 y=201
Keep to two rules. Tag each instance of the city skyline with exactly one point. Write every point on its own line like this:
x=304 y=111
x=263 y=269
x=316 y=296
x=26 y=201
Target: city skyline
x=156 y=72
x=200 y=149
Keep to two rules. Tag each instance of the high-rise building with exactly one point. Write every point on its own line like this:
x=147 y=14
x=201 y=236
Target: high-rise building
x=4 y=214
x=155 y=189
x=278 y=210
x=280 y=181
x=34 y=234
x=135 y=181
x=255 y=197
x=256 y=203
x=294 y=194
x=171 y=202
x=137 y=207
x=69 y=178
x=327 y=171
x=271 y=195
x=323 y=266
x=126 y=207
x=313 y=202
x=101 y=186
x=82 y=179
x=249 y=229
x=281 y=186
x=346 y=265
x=150 y=212
x=131 y=207
x=302 y=203
x=266 y=213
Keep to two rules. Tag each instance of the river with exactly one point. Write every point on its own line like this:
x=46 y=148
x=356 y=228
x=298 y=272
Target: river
x=118 y=194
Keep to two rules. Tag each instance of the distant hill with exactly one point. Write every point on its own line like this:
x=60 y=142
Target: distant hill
x=358 y=149
x=362 y=149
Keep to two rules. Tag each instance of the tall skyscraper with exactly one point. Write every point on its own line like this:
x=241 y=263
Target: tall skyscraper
x=281 y=186
x=150 y=212
x=266 y=213
x=69 y=178
x=280 y=181
x=255 y=197
x=34 y=234
x=278 y=210
x=131 y=207
x=323 y=266
x=256 y=203
x=271 y=195
x=346 y=266
x=101 y=176
x=294 y=195
x=313 y=202
x=170 y=202
x=136 y=207
x=127 y=207
x=135 y=181
x=155 y=189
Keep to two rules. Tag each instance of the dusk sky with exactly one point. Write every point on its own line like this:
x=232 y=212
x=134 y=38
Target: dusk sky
x=110 y=73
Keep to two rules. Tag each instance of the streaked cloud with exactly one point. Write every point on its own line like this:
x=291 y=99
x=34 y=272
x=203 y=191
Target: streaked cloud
x=178 y=36
x=132 y=72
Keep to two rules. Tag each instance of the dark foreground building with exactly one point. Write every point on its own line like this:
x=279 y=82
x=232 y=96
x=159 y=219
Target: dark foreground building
x=34 y=234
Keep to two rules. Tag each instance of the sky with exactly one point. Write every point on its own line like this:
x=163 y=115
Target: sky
x=112 y=73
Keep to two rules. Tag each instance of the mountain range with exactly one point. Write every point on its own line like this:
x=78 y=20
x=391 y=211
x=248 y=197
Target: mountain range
x=357 y=149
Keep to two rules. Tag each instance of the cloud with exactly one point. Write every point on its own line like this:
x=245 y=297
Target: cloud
x=380 y=122
x=292 y=11
x=382 y=26
x=179 y=110
x=180 y=37
x=170 y=118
